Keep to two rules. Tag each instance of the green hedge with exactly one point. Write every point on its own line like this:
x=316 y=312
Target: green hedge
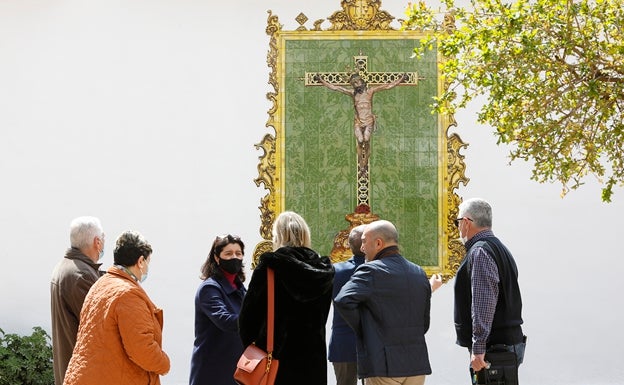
x=26 y=360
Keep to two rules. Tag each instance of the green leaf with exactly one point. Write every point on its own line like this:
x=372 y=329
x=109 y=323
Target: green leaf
x=552 y=76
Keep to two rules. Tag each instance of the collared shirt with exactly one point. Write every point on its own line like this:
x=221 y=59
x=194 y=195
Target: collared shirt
x=485 y=279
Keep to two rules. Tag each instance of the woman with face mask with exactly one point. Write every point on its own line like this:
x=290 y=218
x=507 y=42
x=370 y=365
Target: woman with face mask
x=120 y=333
x=218 y=300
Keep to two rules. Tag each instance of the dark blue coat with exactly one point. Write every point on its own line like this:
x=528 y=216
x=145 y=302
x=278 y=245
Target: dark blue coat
x=387 y=302
x=217 y=345
x=342 y=339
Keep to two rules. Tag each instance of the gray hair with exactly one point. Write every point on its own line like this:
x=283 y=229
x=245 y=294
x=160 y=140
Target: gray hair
x=385 y=230
x=478 y=210
x=290 y=229
x=83 y=230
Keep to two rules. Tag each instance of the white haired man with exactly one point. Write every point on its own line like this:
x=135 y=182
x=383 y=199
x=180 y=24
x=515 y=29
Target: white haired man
x=488 y=304
x=72 y=278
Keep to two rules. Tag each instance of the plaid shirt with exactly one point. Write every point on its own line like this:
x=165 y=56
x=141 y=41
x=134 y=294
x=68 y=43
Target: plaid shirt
x=485 y=279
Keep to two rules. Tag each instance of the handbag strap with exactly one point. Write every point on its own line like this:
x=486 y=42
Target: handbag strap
x=270 y=308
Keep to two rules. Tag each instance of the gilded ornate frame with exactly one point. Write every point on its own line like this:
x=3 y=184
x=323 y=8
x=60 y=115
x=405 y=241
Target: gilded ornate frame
x=358 y=20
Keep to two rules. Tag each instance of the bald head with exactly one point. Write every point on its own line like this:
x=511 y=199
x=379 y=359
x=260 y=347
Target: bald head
x=384 y=230
x=377 y=236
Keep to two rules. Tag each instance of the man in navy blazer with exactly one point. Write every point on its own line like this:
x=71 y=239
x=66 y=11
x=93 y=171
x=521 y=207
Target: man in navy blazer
x=387 y=303
x=342 y=353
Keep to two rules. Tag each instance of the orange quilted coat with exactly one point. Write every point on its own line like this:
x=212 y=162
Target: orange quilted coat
x=119 y=337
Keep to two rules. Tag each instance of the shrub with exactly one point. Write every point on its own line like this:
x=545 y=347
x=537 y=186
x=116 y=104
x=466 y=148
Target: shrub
x=26 y=360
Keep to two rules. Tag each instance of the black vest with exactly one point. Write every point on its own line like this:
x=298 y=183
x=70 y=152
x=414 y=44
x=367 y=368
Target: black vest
x=508 y=315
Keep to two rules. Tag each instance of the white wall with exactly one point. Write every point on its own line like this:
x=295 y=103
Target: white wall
x=145 y=112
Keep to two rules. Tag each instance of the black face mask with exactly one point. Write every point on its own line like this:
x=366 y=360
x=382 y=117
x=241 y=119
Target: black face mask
x=232 y=266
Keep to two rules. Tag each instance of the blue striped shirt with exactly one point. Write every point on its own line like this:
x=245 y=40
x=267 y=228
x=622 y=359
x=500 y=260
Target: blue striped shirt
x=485 y=279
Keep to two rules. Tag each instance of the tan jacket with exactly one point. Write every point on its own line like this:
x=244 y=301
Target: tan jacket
x=71 y=280
x=120 y=336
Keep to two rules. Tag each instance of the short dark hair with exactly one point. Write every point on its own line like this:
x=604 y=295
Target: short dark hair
x=129 y=247
x=210 y=267
x=355 y=240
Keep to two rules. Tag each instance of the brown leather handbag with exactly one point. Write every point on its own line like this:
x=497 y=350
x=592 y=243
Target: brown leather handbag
x=255 y=366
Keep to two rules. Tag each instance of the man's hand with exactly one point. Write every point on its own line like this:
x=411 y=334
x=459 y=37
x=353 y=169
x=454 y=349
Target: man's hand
x=477 y=362
x=435 y=281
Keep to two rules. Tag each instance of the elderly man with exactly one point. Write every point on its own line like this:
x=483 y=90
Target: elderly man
x=71 y=280
x=387 y=303
x=488 y=305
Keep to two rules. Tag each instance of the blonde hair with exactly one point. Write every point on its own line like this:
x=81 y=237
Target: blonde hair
x=290 y=229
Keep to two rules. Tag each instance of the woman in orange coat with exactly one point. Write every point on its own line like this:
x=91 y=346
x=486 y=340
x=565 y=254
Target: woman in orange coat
x=120 y=333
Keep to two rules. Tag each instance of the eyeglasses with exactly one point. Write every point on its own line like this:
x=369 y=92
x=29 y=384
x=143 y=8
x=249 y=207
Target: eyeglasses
x=456 y=221
x=226 y=238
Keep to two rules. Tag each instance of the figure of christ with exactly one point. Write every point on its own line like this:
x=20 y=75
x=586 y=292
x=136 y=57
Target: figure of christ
x=364 y=119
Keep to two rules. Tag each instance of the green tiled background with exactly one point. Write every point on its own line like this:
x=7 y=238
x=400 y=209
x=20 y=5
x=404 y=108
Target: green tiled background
x=320 y=158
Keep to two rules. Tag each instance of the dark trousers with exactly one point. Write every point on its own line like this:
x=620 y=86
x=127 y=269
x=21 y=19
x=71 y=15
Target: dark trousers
x=346 y=373
x=516 y=359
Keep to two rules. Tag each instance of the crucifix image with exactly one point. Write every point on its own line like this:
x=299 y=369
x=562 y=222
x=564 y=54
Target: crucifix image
x=365 y=122
x=361 y=85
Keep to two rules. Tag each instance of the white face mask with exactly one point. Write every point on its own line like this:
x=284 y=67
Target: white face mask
x=143 y=275
x=463 y=238
x=101 y=254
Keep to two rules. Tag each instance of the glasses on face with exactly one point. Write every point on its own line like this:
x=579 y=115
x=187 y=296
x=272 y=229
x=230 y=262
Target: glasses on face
x=456 y=221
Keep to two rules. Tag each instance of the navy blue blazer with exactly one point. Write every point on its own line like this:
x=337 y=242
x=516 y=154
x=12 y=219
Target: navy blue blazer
x=217 y=345
x=342 y=339
x=387 y=303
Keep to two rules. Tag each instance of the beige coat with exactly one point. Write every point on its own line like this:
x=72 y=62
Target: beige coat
x=120 y=336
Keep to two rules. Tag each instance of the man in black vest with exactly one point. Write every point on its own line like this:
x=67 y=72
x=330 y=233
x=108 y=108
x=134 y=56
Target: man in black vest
x=488 y=305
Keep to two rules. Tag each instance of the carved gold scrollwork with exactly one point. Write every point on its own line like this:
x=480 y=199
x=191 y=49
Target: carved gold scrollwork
x=455 y=175
x=449 y=22
x=456 y=168
x=360 y=15
x=261 y=247
x=356 y=15
x=266 y=171
x=301 y=19
x=267 y=165
x=317 y=24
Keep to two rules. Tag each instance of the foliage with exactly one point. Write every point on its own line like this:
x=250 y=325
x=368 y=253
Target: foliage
x=26 y=360
x=552 y=72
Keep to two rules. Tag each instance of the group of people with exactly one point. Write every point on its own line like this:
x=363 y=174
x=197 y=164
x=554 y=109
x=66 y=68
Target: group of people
x=106 y=329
